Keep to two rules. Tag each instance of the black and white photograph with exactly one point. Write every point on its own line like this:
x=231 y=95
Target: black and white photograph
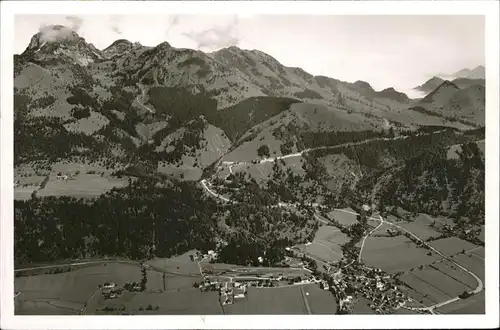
x=240 y=162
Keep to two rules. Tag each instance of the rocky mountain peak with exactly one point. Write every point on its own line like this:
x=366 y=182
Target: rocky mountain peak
x=60 y=43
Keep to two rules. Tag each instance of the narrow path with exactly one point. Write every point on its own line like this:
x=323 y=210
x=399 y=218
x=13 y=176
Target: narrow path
x=304 y=299
x=82 y=311
x=364 y=239
x=213 y=193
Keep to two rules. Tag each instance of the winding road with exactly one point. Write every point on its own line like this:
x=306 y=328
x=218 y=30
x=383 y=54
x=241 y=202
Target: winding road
x=480 y=285
x=478 y=289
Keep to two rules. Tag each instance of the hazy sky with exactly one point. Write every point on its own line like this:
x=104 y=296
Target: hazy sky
x=399 y=51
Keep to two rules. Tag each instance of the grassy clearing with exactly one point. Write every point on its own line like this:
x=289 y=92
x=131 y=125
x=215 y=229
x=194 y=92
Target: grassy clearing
x=343 y=218
x=326 y=244
x=322 y=252
x=451 y=245
x=285 y=300
x=81 y=186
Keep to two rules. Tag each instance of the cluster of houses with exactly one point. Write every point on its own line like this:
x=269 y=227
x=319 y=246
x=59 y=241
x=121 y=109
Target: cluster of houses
x=211 y=255
x=231 y=291
x=63 y=177
x=111 y=290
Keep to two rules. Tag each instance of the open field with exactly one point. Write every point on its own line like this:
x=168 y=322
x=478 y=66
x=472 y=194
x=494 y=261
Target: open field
x=183 y=302
x=180 y=264
x=456 y=273
x=24 y=193
x=472 y=263
x=428 y=220
x=419 y=299
x=472 y=305
x=479 y=251
x=445 y=283
x=426 y=289
x=285 y=300
x=343 y=218
x=233 y=270
x=68 y=289
x=81 y=186
x=326 y=244
x=321 y=252
x=320 y=301
x=451 y=245
x=382 y=231
x=172 y=282
x=394 y=254
x=421 y=230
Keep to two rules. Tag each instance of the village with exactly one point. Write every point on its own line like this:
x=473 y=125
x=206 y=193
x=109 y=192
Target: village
x=234 y=288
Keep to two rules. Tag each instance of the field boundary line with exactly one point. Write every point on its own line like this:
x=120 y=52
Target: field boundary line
x=305 y=301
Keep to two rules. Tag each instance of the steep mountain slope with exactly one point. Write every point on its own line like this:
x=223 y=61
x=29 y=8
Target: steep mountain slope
x=450 y=102
x=430 y=84
x=467 y=82
x=172 y=110
x=478 y=72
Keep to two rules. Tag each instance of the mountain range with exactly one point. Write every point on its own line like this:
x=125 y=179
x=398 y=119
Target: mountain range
x=180 y=110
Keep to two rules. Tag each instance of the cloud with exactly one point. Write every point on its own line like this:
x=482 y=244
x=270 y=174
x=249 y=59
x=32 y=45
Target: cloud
x=216 y=37
x=174 y=22
x=115 y=24
x=75 y=22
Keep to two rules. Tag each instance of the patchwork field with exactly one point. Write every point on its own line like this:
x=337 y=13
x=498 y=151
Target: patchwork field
x=394 y=254
x=419 y=300
x=448 y=268
x=424 y=288
x=437 y=279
